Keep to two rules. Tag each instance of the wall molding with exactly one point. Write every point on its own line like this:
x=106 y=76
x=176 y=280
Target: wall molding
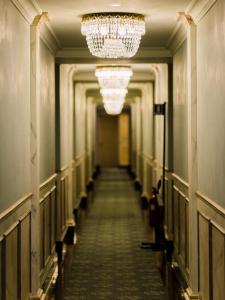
x=178 y=35
x=148 y=157
x=182 y=181
x=29 y=10
x=67 y=167
x=12 y=262
x=198 y=9
x=180 y=203
x=212 y=227
x=26 y=9
x=14 y=207
x=49 y=38
x=215 y=206
x=48 y=181
x=78 y=158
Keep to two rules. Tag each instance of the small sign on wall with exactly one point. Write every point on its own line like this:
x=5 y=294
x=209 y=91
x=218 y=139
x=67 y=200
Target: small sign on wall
x=159 y=109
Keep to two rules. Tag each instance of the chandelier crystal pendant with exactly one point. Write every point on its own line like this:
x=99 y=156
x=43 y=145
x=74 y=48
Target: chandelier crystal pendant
x=113 y=35
x=113 y=108
x=113 y=100
x=116 y=95
x=113 y=76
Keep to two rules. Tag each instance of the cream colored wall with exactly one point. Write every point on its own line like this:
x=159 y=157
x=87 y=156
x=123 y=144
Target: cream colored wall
x=178 y=211
x=161 y=96
x=90 y=136
x=148 y=136
x=66 y=116
x=15 y=105
x=180 y=112
x=211 y=103
x=47 y=112
x=80 y=119
x=211 y=149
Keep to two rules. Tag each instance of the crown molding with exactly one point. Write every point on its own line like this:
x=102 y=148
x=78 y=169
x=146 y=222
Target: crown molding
x=199 y=8
x=29 y=9
x=145 y=54
x=48 y=24
x=49 y=39
x=26 y=8
x=179 y=34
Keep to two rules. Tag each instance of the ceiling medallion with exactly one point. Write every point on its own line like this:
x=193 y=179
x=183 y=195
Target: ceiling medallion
x=113 y=35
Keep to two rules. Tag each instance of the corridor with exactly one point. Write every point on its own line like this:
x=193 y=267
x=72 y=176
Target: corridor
x=112 y=85
x=107 y=262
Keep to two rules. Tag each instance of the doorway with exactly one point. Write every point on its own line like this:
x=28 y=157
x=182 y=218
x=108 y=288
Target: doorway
x=107 y=141
x=113 y=140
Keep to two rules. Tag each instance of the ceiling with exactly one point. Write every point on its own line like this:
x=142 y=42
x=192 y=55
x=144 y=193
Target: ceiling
x=65 y=18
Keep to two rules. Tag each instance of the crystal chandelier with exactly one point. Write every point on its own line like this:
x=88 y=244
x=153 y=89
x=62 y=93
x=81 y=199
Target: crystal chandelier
x=113 y=35
x=113 y=81
x=117 y=95
x=113 y=108
x=113 y=76
x=113 y=100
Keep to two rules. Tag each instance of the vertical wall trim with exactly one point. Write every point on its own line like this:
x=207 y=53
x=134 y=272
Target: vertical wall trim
x=57 y=154
x=192 y=152
x=199 y=258
x=3 y=269
x=35 y=155
x=30 y=235
x=210 y=262
x=170 y=118
x=19 y=279
x=57 y=117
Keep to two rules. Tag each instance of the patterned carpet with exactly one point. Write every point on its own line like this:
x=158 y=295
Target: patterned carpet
x=107 y=262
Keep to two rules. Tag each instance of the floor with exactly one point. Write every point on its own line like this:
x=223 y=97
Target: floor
x=107 y=261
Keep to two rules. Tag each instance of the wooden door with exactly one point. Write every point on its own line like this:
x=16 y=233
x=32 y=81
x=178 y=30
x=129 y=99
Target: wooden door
x=124 y=139
x=107 y=141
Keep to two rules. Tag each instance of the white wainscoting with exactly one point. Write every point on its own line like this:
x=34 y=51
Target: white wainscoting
x=180 y=217
x=147 y=176
x=15 y=249
x=133 y=161
x=211 y=242
x=78 y=172
x=48 y=224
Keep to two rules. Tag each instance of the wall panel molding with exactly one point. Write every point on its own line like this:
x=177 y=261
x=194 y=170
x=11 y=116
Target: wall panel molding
x=13 y=208
x=180 y=225
x=180 y=180
x=48 y=225
x=15 y=259
x=215 y=206
x=211 y=245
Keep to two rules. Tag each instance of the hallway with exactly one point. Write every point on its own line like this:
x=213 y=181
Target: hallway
x=108 y=263
x=98 y=84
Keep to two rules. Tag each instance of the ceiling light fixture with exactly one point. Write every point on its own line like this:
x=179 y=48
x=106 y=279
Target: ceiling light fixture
x=113 y=108
x=113 y=35
x=113 y=76
x=113 y=100
x=114 y=94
